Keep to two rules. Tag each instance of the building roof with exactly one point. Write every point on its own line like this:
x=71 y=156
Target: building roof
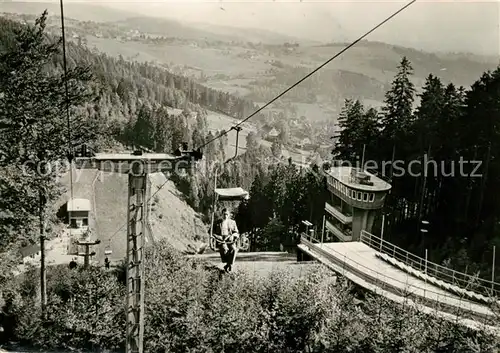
x=30 y=250
x=130 y=157
x=78 y=205
x=274 y=132
x=343 y=174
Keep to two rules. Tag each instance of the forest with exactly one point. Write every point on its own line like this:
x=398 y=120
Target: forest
x=110 y=100
x=459 y=200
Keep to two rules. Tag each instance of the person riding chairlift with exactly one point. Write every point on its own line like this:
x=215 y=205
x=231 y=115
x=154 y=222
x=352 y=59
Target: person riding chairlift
x=228 y=231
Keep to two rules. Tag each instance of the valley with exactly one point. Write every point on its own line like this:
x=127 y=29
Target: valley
x=260 y=70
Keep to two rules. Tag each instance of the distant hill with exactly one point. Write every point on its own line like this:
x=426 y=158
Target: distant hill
x=172 y=28
x=254 y=34
x=78 y=11
x=152 y=25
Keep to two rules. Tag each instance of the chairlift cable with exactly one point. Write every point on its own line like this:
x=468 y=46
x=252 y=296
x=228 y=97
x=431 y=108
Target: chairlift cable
x=237 y=126
x=66 y=89
x=225 y=132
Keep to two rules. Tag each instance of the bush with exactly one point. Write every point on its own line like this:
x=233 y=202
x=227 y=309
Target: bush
x=191 y=308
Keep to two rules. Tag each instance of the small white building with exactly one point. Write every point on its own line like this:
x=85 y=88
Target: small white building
x=78 y=213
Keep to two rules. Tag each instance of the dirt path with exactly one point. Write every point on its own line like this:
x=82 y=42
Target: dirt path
x=264 y=263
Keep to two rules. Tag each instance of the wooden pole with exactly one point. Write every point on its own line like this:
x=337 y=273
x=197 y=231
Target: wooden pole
x=43 y=275
x=493 y=270
x=214 y=204
x=392 y=160
x=363 y=158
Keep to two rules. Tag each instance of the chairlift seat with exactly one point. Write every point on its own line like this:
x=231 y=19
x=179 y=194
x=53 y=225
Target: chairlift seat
x=232 y=194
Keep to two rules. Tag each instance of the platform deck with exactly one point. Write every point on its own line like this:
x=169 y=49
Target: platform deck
x=358 y=262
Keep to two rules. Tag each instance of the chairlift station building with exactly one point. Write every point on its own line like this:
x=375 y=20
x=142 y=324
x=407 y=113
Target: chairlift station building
x=355 y=197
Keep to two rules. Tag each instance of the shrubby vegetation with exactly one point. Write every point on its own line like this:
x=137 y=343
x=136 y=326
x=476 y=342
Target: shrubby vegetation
x=189 y=308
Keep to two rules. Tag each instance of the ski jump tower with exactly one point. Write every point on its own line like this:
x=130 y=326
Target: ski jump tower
x=355 y=196
x=137 y=165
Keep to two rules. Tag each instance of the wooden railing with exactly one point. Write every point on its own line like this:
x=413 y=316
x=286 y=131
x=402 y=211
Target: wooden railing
x=462 y=280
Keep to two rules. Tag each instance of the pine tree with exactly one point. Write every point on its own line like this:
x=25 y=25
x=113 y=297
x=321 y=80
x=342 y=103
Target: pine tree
x=397 y=109
x=162 y=136
x=429 y=113
x=351 y=123
x=144 y=127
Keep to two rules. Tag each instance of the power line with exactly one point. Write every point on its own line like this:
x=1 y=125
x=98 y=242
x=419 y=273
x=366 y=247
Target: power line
x=225 y=132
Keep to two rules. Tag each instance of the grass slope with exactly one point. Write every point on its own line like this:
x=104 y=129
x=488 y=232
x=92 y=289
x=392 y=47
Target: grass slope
x=172 y=218
x=111 y=209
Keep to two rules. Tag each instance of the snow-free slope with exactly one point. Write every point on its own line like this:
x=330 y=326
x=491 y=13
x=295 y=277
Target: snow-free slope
x=171 y=218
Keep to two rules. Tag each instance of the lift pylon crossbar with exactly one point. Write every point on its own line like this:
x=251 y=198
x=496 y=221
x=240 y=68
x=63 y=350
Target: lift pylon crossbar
x=152 y=162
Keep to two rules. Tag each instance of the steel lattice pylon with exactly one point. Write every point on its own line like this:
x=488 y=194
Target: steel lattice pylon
x=137 y=222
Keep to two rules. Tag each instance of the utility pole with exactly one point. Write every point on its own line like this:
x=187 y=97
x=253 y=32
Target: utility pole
x=483 y=185
x=137 y=165
x=363 y=158
x=422 y=194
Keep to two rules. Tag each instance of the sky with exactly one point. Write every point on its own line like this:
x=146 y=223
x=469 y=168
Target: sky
x=470 y=26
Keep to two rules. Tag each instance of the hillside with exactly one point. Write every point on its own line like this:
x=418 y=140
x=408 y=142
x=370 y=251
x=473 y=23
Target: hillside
x=78 y=10
x=223 y=59
x=153 y=25
x=171 y=218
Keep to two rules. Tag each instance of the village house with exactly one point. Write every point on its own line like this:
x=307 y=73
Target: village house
x=78 y=213
x=272 y=135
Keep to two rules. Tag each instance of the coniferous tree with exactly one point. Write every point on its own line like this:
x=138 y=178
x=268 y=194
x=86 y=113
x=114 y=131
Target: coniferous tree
x=145 y=128
x=350 y=122
x=397 y=110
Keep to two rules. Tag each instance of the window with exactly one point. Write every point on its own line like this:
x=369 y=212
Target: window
x=365 y=197
x=372 y=197
x=359 y=196
x=85 y=221
x=349 y=193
